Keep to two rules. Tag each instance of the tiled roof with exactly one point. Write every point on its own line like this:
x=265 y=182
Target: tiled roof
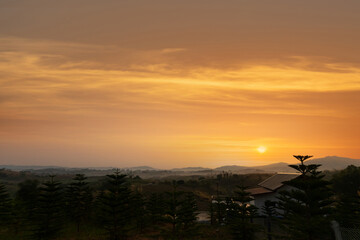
x=276 y=181
x=258 y=190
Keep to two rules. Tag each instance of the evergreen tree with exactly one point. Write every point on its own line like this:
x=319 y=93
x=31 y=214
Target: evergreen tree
x=346 y=185
x=242 y=214
x=140 y=213
x=156 y=208
x=218 y=207
x=114 y=203
x=26 y=200
x=78 y=200
x=48 y=215
x=269 y=210
x=306 y=206
x=188 y=215
x=5 y=206
x=172 y=205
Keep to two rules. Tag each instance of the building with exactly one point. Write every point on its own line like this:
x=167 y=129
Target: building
x=269 y=189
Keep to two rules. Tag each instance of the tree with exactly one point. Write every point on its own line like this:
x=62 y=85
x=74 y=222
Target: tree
x=48 y=215
x=269 y=210
x=346 y=185
x=306 y=207
x=140 y=213
x=5 y=205
x=188 y=215
x=217 y=207
x=156 y=208
x=114 y=203
x=241 y=215
x=172 y=212
x=78 y=200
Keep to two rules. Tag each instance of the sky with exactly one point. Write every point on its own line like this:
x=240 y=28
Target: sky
x=180 y=83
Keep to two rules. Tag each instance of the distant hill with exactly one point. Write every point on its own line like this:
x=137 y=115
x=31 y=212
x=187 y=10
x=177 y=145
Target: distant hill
x=30 y=167
x=233 y=168
x=327 y=163
x=275 y=167
x=334 y=162
x=190 y=169
x=141 y=168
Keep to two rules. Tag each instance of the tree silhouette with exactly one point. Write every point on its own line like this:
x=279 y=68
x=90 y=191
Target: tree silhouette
x=241 y=215
x=139 y=213
x=48 y=216
x=114 y=202
x=78 y=200
x=172 y=206
x=269 y=210
x=156 y=208
x=346 y=185
x=188 y=215
x=5 y=206
x=306 y=206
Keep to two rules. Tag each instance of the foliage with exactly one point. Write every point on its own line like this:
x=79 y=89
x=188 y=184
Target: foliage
x=269 y=210
x=48 y=215
x=240 y=214
x=306 y=207
x=78 y=200
x=5 y=205
x=188 y=215
x=346 y=185
x=114 y=204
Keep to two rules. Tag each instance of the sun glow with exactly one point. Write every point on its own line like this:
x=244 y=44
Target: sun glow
x=261 y=149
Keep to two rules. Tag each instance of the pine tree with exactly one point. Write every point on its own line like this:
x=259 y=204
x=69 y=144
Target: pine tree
x=140 y=213
x=346 y=185
x=156 y=208
x=242 y=214
x=114 y=203
x=5 y=206
x=218 y=207
x=172 y=205
x=78 y=200
x=307 y=205
x=48 y=215
x=188 y=216
x=269 y=210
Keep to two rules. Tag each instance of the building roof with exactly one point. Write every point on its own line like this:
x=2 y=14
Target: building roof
x=258 y=190
x=276 y=181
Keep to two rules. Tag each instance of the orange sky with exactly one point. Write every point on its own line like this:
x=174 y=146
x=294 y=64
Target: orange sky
x=178 y=83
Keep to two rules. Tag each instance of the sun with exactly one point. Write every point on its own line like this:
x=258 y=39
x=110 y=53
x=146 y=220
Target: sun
x=261 y=149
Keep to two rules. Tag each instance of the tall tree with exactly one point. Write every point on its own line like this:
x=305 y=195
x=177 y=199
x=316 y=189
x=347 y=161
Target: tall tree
x=78 y=200
x=269 y=210
x=172 y=205
x=306 y=207
x=156 y=208
x=114 y=203
x=48 y=215
x=242 y=214
x=346 y=185
x=5 y=205
x=139 y=213
x=188 y=216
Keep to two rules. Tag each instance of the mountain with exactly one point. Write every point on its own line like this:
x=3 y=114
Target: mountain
x=275 y=167
x=327 y=163
x=141 y=168
x=30 y=167
x=334 y=162
x=190 y=169
x=233 y=168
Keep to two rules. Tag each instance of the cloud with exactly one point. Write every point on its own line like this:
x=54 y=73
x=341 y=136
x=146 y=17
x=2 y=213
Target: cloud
x=90 y=95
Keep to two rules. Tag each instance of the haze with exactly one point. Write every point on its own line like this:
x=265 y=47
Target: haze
x=178 y=83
